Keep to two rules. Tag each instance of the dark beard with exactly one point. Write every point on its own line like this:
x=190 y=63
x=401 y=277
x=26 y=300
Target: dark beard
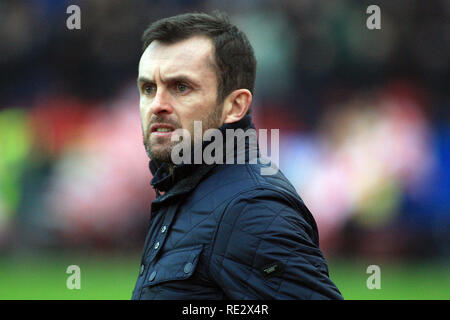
x=212 y=121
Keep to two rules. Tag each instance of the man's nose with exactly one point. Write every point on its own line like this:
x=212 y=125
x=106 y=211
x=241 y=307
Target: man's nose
x=161 y=103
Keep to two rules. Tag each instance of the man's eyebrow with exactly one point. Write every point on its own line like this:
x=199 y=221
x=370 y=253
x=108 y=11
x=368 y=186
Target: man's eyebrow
x=143 y=80
x=175 y=78
x=179 y=78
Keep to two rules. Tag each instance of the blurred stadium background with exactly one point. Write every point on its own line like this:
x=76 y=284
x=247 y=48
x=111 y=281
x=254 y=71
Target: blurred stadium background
x=364 y=129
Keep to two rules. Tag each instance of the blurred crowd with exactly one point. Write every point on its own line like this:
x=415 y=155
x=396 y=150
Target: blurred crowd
x=363 y=118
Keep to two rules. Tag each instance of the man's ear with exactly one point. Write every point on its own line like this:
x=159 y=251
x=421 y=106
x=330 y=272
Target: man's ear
x=236 y=105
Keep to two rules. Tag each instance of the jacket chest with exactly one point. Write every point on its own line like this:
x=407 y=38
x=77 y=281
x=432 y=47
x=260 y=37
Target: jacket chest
x=175 y=255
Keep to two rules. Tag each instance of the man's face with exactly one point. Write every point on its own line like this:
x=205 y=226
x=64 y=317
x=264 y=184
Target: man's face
x=177 y=85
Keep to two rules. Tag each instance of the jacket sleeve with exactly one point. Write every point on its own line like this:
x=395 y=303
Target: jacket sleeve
x=265 y=249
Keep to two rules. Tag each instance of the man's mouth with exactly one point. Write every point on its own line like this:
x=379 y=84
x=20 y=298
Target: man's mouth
x=161 y=129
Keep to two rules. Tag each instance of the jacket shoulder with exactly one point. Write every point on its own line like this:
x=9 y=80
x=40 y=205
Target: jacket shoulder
x=236 y=178
x=266 y=246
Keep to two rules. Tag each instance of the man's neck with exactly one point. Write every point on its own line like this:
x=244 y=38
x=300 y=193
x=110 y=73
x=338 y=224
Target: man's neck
x=166 y=174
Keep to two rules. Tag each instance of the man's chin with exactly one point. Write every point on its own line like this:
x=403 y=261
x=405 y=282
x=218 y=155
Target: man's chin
x=159 y=154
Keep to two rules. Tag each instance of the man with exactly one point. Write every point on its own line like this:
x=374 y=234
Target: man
x=217 y=230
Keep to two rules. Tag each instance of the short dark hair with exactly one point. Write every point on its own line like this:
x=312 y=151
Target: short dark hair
x=234 y=56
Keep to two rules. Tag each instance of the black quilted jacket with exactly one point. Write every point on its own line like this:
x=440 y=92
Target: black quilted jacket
x=228 y=232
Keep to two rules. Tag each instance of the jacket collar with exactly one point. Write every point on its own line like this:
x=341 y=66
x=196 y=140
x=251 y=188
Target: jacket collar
x=164 y=180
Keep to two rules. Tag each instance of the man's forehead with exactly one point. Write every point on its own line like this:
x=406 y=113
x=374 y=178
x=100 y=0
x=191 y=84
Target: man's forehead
x=193 y=54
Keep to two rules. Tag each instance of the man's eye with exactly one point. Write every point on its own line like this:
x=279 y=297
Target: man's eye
x=181 y=87
x=149 y=89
